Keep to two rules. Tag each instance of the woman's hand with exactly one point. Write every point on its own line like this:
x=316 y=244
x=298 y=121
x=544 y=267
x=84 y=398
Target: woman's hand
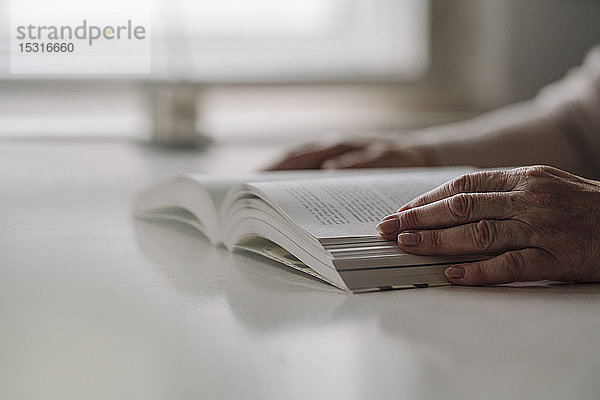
x=374 y=154
x=537 y=222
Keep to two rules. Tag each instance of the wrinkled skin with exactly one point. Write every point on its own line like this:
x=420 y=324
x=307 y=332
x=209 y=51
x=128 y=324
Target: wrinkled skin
x=372 y=154
x=536 y=222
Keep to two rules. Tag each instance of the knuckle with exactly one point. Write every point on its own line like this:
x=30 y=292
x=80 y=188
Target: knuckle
x=461 y=205
x=461 y=184
x=409 y=219
x=537 y=171
x=483 y=234
x=477 y=273
x=433 y=239
x=514 y=264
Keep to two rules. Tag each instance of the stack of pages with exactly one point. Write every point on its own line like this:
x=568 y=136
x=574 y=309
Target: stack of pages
x=321 y=223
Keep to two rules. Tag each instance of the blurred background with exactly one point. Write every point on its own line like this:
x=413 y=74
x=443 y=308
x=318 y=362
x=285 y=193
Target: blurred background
x=283 y=71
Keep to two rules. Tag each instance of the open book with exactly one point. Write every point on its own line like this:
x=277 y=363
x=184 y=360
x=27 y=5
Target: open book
x=321 y=223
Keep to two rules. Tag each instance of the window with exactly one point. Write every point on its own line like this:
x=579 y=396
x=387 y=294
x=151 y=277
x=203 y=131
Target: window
x=216 y=43
x=264 y=40
x=275 y=40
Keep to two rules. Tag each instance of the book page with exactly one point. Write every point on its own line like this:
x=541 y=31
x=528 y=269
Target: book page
x=351 y=206
x=218 y=185
x=197 y=199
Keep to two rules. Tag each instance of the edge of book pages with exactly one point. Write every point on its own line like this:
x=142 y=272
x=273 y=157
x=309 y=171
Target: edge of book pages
x=419 y=277
x=273 y=251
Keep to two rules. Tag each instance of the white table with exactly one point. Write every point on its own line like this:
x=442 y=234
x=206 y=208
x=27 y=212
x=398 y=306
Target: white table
x=96 y=305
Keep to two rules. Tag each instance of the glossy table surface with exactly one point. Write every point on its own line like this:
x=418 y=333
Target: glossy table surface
x=97 y=305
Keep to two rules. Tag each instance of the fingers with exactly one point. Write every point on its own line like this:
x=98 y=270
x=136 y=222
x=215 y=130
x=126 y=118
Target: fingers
x=362 y=158
x=478 y=182
x=451 y=211
x=312 y=158
x=380 y=155
x=483 y=237
x=529 y=264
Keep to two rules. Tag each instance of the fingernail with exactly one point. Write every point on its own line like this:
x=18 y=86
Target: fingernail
x=330 y=164
x=391 y=216
x=388 y=226
x=404 y=207
x=455 y=272
x=409 y=238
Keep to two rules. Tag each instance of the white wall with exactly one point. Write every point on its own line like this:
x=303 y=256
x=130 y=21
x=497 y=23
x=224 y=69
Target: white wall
x=491 y=52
